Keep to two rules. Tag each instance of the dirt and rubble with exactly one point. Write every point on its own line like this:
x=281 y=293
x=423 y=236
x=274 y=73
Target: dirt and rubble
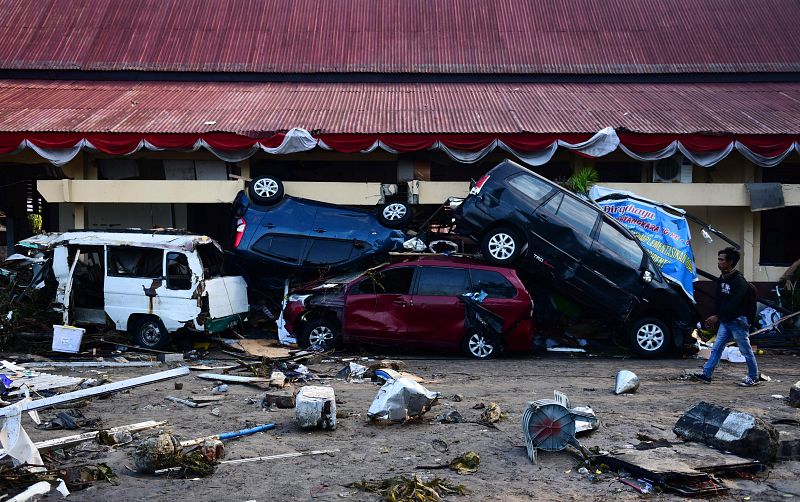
x=374 y=452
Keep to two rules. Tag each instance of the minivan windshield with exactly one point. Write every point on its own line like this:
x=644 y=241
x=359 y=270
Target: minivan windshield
x=211 y=258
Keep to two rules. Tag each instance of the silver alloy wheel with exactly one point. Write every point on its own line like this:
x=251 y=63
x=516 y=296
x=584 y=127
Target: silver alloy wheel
x=478 y=346
x=321 y=336
x=502 y=246
x=394 y=212
x=150 y=332
x=650 y=337
x=265 y=187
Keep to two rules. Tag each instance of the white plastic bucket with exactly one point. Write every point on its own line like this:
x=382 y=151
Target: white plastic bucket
x=67 y=338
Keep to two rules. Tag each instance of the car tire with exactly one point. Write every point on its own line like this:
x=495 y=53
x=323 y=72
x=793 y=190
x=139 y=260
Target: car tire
x=394 y=214
x=320 y=332
x=150 y=333
x=265 y=189
x=478 y=346
x=501 y=246
x=650 y=337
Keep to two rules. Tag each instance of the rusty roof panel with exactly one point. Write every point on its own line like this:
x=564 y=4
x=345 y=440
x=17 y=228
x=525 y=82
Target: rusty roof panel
x=256 y=108
x=402 y=36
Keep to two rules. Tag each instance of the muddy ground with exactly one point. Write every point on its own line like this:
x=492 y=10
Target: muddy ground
x=369 y=451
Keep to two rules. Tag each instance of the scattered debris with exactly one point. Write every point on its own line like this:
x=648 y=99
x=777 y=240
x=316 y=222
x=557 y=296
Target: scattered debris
x=729 y=430
x=492 y=414
x=440 y=445
x=157 y=452
x=794 y=395
x=282 y=401
x=186 y=402
x=278 y=379
x=402 y=489
x=69 y=420
x=588 y=425
x=170 y=357
x=684 y=468
x=227 y=435
x=232 y=378
x=549 y=424
x=626 y=382
x=466 y=464
x=399 y=400
x=92 y=364
x=352 y=370
x=457 y=398
x=220 y=389
x=451 y=417
x=316 y=407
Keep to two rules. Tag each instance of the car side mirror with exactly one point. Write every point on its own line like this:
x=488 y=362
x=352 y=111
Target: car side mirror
x=647 y=276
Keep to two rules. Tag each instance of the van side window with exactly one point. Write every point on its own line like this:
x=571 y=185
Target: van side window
x=442 y=281
x=532 y=187
x=179 y=275
x=492 y=283
x=131 y=261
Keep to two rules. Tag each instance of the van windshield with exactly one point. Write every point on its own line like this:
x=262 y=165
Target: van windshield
x=211 y=258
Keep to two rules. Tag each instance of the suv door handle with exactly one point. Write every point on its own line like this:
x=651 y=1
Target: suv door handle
x=320 y=230
x=400 y=302
x=269 y=225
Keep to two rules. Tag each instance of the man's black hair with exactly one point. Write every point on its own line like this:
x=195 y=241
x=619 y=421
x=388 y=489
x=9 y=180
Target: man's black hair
x=731 y=254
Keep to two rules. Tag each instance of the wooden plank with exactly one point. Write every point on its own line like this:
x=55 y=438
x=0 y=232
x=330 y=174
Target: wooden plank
x=93 y=364
x=93 y=391
x=232 y=378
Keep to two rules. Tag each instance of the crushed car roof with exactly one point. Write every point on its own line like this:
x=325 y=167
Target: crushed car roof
x=163 y=240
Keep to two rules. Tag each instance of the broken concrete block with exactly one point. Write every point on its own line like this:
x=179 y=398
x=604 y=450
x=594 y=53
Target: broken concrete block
x=729 y=430
x=170 y=357
x=794 y=395
x=788 y=442
x=316 y=407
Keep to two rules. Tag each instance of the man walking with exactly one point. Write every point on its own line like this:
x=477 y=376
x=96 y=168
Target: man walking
x=730 y=313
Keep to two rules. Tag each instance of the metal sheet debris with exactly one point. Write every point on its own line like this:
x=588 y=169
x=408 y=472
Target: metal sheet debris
x=626 y=382
x=400 y=400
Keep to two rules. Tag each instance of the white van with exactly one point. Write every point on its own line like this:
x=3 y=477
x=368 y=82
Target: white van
x=151 y=283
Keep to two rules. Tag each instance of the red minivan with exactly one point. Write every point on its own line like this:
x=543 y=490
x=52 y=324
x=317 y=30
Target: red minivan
x=417 y=303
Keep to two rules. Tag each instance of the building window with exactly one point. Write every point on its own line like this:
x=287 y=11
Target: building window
x=780 y=243
x=619 y=172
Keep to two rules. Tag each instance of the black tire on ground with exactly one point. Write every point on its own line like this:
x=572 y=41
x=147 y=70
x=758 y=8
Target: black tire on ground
x=501 y=246
x=265 y=189
x=394 y=214
x=320 y=332
x=149 y=333
x=650 y=337
x=478 y=346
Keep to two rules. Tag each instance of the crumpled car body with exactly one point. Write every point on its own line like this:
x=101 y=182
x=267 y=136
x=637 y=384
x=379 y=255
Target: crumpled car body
x=302 y=239
x=568 y=243
x=415 y=303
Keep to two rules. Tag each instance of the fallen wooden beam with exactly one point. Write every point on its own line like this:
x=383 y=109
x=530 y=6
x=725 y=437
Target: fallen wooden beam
x=232 y=378
x=93 y=391
x=52 y=444
x=92 y=364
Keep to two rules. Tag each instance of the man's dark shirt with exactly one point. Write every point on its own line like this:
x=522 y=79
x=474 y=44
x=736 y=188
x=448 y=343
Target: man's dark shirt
x=731 y=292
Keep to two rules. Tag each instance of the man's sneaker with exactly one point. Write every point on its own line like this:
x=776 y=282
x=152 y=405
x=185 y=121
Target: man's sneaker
x=700 y=377
x=748 y=382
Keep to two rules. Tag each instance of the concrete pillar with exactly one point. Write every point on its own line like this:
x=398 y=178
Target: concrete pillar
x=79 y=215
x=749 y=257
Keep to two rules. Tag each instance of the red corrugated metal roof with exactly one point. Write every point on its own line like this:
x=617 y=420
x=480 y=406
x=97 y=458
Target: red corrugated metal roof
x=409 y=36
x=257 y=108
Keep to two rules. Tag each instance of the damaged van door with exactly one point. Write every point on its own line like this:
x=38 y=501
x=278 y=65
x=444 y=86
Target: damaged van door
x=150 y=290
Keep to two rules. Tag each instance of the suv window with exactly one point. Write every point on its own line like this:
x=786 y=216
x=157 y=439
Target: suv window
x=281 y=247
x=579 y=217
x=441 y=281
x=328 y=251
x=530 y=186
x=131 y=261
x=626 y=249
x=179 y=276
x=492 y=283
x=395 y=281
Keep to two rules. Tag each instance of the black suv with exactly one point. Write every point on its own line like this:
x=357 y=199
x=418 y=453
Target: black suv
x=521 y=218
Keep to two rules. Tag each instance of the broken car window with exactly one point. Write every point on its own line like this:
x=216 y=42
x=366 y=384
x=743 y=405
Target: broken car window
x=281 y=247
x=179 y=275
x=440 y=281
x=328 y=251
x=211 y=258
x=492 y=283
x=627 y=250
x=130 y=261
x=395 y=281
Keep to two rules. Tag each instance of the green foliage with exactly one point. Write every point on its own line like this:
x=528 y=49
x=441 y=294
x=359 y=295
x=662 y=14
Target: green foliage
x=582 y=180
x=35 y=222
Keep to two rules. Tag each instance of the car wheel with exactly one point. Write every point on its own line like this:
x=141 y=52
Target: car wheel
x=650 y=337
x=478 y=346
x=501 y=246
x=321 y=333
x=150 y=333
x=265 y=189
x=394 y=214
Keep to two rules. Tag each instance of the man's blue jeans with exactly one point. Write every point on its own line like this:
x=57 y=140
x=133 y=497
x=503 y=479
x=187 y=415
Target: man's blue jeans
x=737 y=330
